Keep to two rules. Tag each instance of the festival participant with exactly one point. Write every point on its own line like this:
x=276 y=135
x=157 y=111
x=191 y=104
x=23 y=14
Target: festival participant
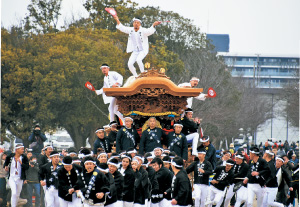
x=192 y=84
x=226 y=156
x=112 y=79
x=271 y=185
x=67 y=178
x=240 y=170
x=223 y=177
x=151 y=137
x=181 y=190
x=177 y=142
x=190 y=129
x=127 y=136
x=137 y=42
x=283 y=178
x=16 y=164
x=202 y=170
x=3 y=176
x=210 y=150
x=164 y=178
x=102 y=157
x=257 y=174
x=153 y=184
x=118 y=180
x=48 y=178
x=167 y=163
x=93 y=184
x=132 y=152
x=141 y=183
x=44 y=159
x=101 y=142
x=72 y=152
x=295 y=186
x=112 y=136
x=157 y=152
x=129 y=178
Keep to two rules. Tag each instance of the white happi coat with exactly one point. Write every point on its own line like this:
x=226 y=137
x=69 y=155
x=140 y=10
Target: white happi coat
x=109 y=80
x=143 y=33
x=189 y=101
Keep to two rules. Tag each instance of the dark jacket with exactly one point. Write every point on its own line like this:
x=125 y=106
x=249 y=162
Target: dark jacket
x=140 y=186
x=51 y=177
x=286 y=178
x=102 y=143
x=101 y=184
x=43 y=159
x=271 y=181
x=40 y=139
x=152 y=139
x=177 y=143
x=112 y=136
x=32 y=174
x=189 y=126
x=126 y=138
x=119 y=182
x=210 y=154
x=66 y=181
x=112 y=196
x=260 y=166
x=128 y=189
x=240 y=171
x=24 y=166
x=164 y=179
x=181 y=189
x=200 y=178
x=224 y=178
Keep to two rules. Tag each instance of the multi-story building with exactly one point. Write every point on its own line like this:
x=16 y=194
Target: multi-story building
x=264 y=71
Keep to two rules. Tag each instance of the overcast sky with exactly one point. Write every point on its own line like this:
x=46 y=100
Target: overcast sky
x=266 y=27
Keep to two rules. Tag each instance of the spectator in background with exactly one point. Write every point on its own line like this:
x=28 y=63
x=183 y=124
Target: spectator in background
x=280 y=151
x=3 y=175
x=294 y=160
x=36 y=140
x=32 y=181
x=267 y=146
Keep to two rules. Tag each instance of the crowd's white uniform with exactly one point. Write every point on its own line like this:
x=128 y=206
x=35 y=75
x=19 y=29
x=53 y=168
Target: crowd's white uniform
x=109 y=80
x=137 y=44
x=15 y=181
x=201 y=96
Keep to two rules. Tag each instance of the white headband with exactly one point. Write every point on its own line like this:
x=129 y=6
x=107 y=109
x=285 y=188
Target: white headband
x=90 y=161
x=201 y=140
x=196 y=79
x=19 y=147
x=103 y=170
x=279 y=158
x=111 y=163
x=73 y=153
x=102 y=153
x=132 y=151
x=125 y=156
x=135 y=160
x=178 y=125
x=135 y=19
x=67 y=164
x=227 y=163
x=239 y=156
x=141 y=158
x=254 y=152
x=127 y=117
x=201 y=152
x=269 y=152
x=174 y=164
x=54 y=155
x=167 y=162
x=98 y=130
x=104 y=66
x=189 y=111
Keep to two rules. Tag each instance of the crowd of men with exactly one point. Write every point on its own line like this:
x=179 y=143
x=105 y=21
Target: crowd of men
x=123 y=169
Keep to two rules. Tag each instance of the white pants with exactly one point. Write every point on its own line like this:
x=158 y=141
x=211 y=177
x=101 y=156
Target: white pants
x=87 y=205
x=269 y=198
x=75 y=202
x=195 y=138
x=138 y=205
x=16 y=187
x=229 y=195
x=255 y=189
x=241 y=196
x=138 y=58
x=127 y=204
x=113 y=109
x=200 y=192
x=52 y=198
x=216 y=196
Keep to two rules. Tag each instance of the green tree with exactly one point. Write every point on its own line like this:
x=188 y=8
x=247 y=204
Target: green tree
x=43 y=16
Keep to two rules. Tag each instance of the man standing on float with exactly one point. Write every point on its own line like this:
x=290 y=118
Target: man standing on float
x=137 y=42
